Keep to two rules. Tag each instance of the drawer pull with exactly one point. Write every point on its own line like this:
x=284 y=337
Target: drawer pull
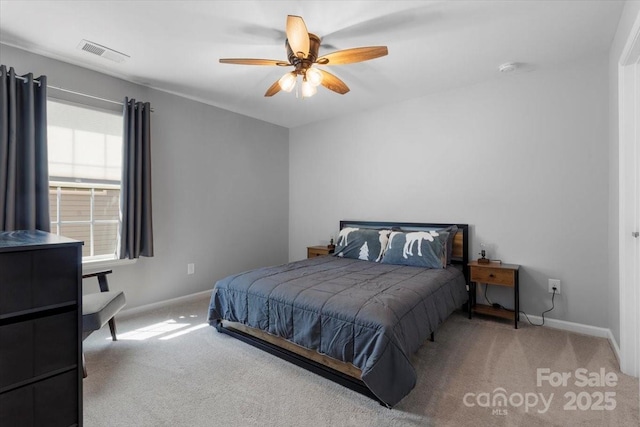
x=491 y=275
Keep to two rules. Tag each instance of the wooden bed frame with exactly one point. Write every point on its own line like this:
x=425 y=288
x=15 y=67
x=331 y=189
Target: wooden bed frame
x=343 y=373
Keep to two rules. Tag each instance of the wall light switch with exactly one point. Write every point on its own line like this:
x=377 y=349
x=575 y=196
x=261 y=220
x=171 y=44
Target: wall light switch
x=191 y=268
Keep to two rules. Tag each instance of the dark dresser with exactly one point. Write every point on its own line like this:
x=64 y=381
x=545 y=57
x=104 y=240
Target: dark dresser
x=40 y=330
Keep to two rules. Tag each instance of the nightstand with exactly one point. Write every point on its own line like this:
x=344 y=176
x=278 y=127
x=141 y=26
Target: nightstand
x=495 y=273
x=314 y=251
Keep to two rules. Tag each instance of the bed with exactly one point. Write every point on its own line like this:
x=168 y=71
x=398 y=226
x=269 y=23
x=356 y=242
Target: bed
x=356 y=316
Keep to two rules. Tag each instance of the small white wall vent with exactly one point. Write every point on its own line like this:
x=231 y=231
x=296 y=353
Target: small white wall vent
x=102 y=51
x=509 y=67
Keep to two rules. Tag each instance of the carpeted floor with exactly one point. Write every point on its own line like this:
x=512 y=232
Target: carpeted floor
x=170 y=369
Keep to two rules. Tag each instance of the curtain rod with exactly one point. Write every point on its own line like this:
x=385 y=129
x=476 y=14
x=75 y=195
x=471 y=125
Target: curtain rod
x=85 y=95
x=24 y=79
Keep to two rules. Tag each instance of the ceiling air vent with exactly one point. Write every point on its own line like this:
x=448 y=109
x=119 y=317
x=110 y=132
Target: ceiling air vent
x=102 y=51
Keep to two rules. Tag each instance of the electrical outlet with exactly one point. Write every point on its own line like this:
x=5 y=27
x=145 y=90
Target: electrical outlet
x=554 y=283
x=191 y=268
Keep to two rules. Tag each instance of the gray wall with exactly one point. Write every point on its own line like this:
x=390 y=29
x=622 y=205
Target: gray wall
x=220 y=186
x=629 y=14
x=522 y=159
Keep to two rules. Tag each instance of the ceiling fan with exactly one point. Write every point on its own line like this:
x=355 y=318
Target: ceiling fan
x=302 y=51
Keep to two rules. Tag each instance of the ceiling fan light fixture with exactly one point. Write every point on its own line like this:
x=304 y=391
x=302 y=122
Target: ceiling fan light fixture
x=308 y=89
x=287 y=82
x=313 y=76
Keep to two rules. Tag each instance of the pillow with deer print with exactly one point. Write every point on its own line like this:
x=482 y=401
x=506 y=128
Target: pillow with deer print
x=362 y=243
x=416 y=248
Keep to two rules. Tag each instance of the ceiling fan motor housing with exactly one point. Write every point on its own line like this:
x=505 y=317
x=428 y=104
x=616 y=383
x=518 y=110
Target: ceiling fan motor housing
x=302 y=64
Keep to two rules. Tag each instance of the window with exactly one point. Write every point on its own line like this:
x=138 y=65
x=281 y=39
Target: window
x=85 y=163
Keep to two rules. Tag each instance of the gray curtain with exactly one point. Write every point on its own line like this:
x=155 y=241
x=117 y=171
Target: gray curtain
x=136 y=225
x=24 y=170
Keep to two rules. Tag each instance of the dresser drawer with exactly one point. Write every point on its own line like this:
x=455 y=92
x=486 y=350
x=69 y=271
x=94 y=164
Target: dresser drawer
x=37 y=279
x=36 y=347
x=494 y=276
x=52 y=402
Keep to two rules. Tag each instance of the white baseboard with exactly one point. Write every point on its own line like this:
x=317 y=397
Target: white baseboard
x=580 y=328
x=614 y=345
x=127 y=312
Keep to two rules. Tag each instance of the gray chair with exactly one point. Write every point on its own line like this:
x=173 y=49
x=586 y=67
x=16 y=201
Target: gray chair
x=100 y=308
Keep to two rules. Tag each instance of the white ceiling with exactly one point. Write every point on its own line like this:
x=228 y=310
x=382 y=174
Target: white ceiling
x=433 y=45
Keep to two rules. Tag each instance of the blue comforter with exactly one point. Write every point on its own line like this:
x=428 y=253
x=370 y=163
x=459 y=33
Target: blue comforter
x=361 y=312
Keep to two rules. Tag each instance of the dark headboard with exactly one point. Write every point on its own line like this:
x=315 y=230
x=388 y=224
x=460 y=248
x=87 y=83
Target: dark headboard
x=460 y=241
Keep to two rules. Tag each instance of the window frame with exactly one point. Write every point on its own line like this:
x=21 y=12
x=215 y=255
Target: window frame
x=91 y=261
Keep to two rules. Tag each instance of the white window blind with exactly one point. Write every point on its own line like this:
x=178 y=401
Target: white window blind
x=84 y=143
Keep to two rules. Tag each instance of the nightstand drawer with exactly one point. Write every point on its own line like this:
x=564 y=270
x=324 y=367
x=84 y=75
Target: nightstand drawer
x=494 y=276
x=314 y=251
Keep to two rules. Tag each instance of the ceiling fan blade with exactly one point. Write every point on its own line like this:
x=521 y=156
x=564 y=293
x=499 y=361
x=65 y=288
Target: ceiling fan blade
x=298 y=36
x=251 y=61
x=275 y=88
x=333 y=83
x=349 y=56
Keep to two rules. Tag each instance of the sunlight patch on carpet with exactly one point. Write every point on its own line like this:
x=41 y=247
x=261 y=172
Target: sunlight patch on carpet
x=161 y=328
